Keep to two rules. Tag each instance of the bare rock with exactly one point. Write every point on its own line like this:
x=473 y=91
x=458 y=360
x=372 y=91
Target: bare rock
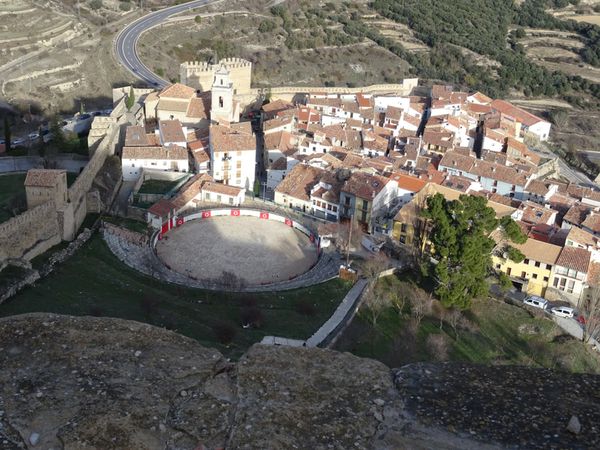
x=574 y=426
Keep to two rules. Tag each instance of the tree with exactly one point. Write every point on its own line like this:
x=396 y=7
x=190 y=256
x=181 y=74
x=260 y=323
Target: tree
x=461 y=247
x=512 y=230
x=57 y=133
x=130 y=100
x=591 y=314
x=421 y=304
x=198 y=19
x=504 y=281
x=514 y=254
x=559 y=117
x=437 y=345
x=96 y=4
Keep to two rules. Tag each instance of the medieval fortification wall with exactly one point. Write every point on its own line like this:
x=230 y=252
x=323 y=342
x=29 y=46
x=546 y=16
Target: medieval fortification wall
x=200 y=75
x=36 y=230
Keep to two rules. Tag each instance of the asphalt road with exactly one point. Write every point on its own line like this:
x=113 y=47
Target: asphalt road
x=126 y=41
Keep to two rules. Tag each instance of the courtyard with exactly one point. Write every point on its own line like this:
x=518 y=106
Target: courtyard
x=258 y=251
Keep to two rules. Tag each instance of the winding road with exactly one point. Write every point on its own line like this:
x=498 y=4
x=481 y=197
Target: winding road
x=126 y=41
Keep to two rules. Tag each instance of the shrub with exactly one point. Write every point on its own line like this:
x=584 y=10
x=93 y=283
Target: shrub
x=198 y=19
x=96 y=4
x=224 y=332
x=252 y=317
x=504 y=282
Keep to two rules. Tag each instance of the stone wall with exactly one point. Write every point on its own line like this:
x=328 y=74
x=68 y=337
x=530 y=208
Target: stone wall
x=200 y=75
x=35 y=231
x=30 y=234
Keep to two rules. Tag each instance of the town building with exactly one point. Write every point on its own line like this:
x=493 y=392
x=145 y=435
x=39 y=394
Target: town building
x=45 y=185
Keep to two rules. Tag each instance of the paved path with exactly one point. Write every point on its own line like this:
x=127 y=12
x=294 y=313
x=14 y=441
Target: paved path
x=344 y=312
x=126 y=41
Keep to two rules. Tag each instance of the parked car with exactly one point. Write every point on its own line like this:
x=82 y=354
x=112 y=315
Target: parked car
x=33 y=136
x=536 y=302
x=580 y=319
x=563 y=311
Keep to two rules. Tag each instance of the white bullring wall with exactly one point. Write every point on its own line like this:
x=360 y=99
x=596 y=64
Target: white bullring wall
x=234 y=212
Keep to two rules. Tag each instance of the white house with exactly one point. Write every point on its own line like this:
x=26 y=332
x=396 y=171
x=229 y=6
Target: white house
x=153 y=158
x=232 y=156
x=529 y=123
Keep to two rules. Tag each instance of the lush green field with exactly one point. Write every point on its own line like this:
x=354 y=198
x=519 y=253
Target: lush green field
x=95 y=282
x=496 y=333
x=11 y=188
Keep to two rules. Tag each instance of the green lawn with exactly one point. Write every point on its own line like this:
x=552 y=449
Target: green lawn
x=95 y=282
x=12 y=192
x=498 y=333
x=157 y=186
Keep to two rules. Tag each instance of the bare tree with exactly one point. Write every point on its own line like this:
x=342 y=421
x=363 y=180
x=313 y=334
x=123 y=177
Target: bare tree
x=438 y=347
x=454 y=317
x=420 y=305
x=591 y=314
x=375 y=304
x=373 y=267
x=349 y=235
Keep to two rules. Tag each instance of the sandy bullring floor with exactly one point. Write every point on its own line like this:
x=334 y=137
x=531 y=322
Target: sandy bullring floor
x=259 y=251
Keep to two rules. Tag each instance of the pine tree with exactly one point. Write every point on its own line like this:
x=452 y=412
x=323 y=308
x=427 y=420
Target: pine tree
x=130 y=100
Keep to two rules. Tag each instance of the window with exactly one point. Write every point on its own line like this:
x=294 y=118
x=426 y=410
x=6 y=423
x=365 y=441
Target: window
x=347 y=200
x=523 y=274
x=546 y=279
x=207 y=196
x=328 y=207
x=498 y=266
x=403 y=228
x=231 y=200
x=508 y=270
x=221 y=99
x=526 y=261
x=537 y=264
x=365 y=204
x=548 y=267
x=334 y=208
x=219 y=198
x=570 y=286
x=534 y=276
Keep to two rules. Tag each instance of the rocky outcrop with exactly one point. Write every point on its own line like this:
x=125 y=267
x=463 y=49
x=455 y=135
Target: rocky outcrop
x=102 y=383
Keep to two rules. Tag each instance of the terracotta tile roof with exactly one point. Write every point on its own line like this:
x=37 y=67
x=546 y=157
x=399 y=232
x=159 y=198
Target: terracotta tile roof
x=199 y=107
x=457 y=182
x=574 y=258
x=537 y=187
x=534 y=213
x=441 y=91
x=519 y=114
x=485 y=169
x=581 y=237
x=172 y=105
x=533 y=249
x=177 y=90
x=481 y=98
x=224 y=139
x=171 y=131
x=408 y=182
x=299 y=182
x=393 y=113
x=135 y=136
x=577 y=214
x=44 y=177
x=162 y=153
x=279 y=164
x=364 y=186
x=592 y=222
x=280 y=140
x=561 y=202
x=220 y=188
x=162 y=208
x=200 y=156
x=276 y=106
x=277 y=122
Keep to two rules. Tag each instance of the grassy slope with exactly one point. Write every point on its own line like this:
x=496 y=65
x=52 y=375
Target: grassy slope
x=95 y=282
x=10 y=186
x=496 y=338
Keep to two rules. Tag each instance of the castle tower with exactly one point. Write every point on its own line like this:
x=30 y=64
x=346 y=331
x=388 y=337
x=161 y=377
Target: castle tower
x=222 y=107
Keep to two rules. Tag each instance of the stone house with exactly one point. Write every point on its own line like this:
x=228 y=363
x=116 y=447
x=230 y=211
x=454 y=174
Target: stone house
x=45 y=185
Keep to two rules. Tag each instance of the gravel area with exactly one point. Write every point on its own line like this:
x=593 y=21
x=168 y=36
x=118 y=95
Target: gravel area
x=515 y=406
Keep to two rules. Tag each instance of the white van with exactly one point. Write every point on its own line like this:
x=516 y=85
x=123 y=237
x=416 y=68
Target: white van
x=536 y=302
x=563 y=311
